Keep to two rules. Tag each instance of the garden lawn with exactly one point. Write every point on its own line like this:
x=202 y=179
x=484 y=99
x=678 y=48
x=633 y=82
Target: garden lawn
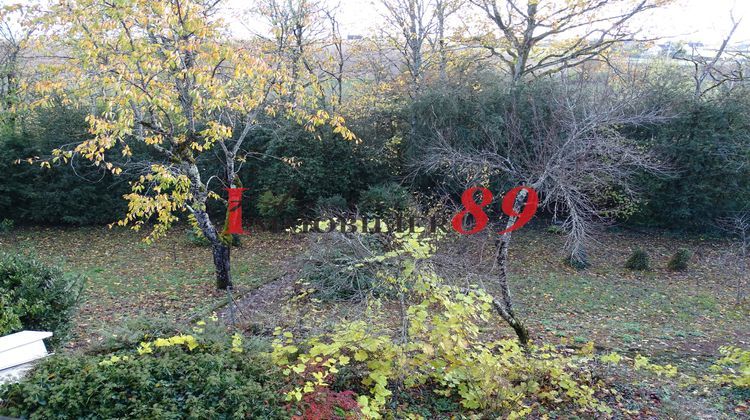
x=678 y=318
x=683 y=316
x=172 y=278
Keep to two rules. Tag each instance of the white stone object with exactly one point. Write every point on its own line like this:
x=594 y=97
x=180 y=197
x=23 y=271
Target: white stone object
x=19 y=351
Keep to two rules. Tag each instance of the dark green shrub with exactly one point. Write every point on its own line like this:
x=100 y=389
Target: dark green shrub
x=385 y=199
x=335 y=202
x=129 y=333
x=638 y=260
x=680 y=260
x=707 y=144
x=277 y=206
x=579 y=262
x=58 y=195
x=310 y=166
x=212 y=380
x=35 y=296
x=555 y=229
x=6 y=226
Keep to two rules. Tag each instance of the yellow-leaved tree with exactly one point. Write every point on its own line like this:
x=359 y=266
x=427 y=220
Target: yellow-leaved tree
x=168 y=77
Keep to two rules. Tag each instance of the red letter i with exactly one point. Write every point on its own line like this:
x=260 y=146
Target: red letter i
x=234 y=226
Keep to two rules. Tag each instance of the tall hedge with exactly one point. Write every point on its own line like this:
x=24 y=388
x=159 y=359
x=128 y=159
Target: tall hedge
x=705 y=141
x=707 y=145
x=78 y=193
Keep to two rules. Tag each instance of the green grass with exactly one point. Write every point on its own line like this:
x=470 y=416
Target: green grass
x=622 y=314
x=678 y=318
x=127 y=277
x=656 y=311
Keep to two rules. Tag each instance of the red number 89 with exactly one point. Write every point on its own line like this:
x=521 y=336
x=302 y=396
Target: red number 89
x=509 y=200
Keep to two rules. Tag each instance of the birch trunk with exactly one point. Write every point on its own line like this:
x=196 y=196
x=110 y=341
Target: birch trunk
x=504 y=307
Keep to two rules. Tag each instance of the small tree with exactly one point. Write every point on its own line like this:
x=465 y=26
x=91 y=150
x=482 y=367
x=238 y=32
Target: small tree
x=561 y=139
x=680 y=260
x=166 y=77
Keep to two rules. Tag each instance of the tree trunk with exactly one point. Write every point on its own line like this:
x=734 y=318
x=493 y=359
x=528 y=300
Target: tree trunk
x=220 y=251
x=443 y=63
x=504 y=307
x=518 y=327
x=743 y=266
x=222 y=265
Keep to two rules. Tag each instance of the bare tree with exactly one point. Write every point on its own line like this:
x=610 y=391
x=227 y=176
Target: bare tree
x=443 y=10
x=583 y=30
x=738 y=225
x=416 y=30
x=307 y=35
x=712 y=72
x=568 y=147
x=411 y=24
x=297 y=27
x=337 y=57
x=16 y=29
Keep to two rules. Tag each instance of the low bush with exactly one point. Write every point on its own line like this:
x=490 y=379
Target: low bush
x=183 y=376
x=6 y=226
x=335 y=266
x=441 y=347
x=733 y=368
x=555 y=229
x=35 y=296
x=132 y=331
x=335 y=202
x=638 y=260
x=384 y=199
x=277 y=206
x=443 y=352
x=579 y=262
x=680 y=260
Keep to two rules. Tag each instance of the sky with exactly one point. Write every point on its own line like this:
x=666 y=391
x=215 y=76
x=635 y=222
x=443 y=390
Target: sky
x=706 y=21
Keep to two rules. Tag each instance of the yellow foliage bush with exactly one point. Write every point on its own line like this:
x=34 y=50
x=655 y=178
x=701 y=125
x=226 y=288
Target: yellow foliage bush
x=733 y=368
x=443 y=349
x=446 y=343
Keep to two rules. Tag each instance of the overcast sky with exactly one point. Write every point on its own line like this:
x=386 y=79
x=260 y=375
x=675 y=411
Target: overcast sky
x=707 y=21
